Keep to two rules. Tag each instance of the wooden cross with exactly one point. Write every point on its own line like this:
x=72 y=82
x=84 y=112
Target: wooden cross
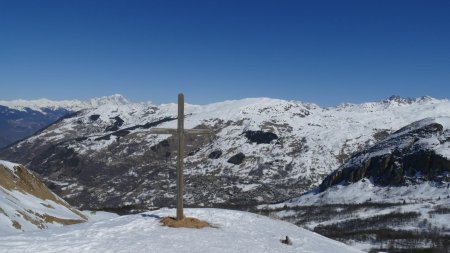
x=180 y=132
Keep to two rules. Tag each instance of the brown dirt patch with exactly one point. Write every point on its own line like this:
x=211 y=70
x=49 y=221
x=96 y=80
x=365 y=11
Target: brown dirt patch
x=28 y=182
x=187 y=222
x=50 y=219
x=16 y=224
x=48 y=205
x=35 y=222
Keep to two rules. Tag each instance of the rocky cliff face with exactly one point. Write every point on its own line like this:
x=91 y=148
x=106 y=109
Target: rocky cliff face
x=26 y=204
x=261 y=150
x=416 y=153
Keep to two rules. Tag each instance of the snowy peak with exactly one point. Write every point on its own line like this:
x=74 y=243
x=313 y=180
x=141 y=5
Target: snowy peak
x=391 y=103
x=397 y=100
x=115 y=99
x=71 y=105
x=26 y=204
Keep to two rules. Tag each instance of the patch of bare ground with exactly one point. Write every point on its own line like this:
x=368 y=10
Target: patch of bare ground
x=35 y=222
x=48 y=218
x=16 y=224
x=187 y=222
x=28 y=182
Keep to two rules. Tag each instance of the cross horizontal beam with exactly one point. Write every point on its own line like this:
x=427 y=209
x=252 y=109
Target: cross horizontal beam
x=175 y=131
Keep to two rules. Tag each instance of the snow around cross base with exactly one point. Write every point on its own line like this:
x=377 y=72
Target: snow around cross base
x=237 y=232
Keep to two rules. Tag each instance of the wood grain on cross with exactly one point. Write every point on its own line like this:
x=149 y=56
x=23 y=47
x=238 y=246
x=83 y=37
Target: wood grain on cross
x=180 y=132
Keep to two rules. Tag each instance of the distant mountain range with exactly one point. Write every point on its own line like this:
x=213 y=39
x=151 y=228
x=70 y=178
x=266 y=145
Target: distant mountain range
x=261 y=150
x=22 y=118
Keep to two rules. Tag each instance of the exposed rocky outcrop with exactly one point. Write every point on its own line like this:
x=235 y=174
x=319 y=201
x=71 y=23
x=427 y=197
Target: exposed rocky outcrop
x=260 y=137
x=412 y=154
x=118 y=122
x=237 y=159
x=216 y=154
x=94 y=117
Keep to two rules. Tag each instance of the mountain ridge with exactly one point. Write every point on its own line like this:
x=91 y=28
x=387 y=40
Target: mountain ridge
x=70 y=105
x=22 y=118
x=301 y=144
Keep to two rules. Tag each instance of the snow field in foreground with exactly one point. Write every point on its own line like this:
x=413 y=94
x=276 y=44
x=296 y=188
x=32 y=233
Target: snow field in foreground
x=236 y=232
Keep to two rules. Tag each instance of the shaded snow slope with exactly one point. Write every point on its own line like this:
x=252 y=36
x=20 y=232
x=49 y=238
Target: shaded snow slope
x=26 y=204
x=235 y=232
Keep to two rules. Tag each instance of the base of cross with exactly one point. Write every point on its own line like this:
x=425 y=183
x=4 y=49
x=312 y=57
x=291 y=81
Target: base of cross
x=186 y=222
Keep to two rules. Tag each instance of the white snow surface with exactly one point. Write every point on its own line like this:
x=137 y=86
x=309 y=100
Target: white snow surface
x=234 y=231
x=9 y=165
x=365 y=191
x=423 y=198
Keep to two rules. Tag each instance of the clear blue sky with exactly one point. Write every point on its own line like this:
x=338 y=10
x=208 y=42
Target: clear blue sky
x=325 y=52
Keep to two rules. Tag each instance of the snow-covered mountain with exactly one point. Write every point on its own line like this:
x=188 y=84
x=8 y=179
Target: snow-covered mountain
x=233 y=231
x=71 y=105
x=416 y=153
x=22 y=118
x=262 y=150
x=26 y=204
x=397 y=191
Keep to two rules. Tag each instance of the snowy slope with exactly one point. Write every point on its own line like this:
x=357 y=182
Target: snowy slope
x=106 y=156
x=368 y=216
x=26 y=204
x=400 y=185
x=234 y=232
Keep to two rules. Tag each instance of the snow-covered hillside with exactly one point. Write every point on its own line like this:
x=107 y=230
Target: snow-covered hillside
x=417 y=152
x=233 y=231
x=261 y=150
x=372 y=217
x=26 y=204
x=397 y=191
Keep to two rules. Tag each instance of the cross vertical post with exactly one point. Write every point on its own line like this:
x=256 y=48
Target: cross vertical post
x=180 y=177
x=180 y=133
